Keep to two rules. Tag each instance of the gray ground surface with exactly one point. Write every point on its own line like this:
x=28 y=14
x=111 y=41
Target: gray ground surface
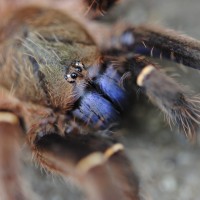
x=167 y=165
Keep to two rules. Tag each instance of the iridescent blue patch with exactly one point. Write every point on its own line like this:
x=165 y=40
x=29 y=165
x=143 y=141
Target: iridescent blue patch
x=95 y=110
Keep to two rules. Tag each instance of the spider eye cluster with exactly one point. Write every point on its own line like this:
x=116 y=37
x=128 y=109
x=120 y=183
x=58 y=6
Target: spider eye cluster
x=76 y=70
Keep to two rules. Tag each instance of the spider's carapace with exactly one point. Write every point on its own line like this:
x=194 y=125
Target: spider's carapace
x=53 y=62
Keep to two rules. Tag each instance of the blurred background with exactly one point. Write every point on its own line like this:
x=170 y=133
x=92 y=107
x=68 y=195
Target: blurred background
x=168 y=166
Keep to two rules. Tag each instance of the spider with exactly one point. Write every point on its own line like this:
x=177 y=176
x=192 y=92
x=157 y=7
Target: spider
x=66 y=81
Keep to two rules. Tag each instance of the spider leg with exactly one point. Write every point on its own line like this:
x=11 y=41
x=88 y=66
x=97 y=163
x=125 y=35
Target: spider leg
x=98 y=164
x=181 y=108
x=12 y=127
x=99 y=6
x=10 y=182
x=156 y=42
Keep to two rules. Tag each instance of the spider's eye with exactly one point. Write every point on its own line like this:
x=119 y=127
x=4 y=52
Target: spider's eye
x=78 y=69
x=74 y=75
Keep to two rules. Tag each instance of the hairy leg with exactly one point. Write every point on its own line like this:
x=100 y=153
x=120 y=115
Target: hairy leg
x=181 y=108
x=10 y=181
x=155 y=42
x=96 y=163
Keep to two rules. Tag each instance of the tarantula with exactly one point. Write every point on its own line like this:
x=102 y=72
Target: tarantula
x=65 y=82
